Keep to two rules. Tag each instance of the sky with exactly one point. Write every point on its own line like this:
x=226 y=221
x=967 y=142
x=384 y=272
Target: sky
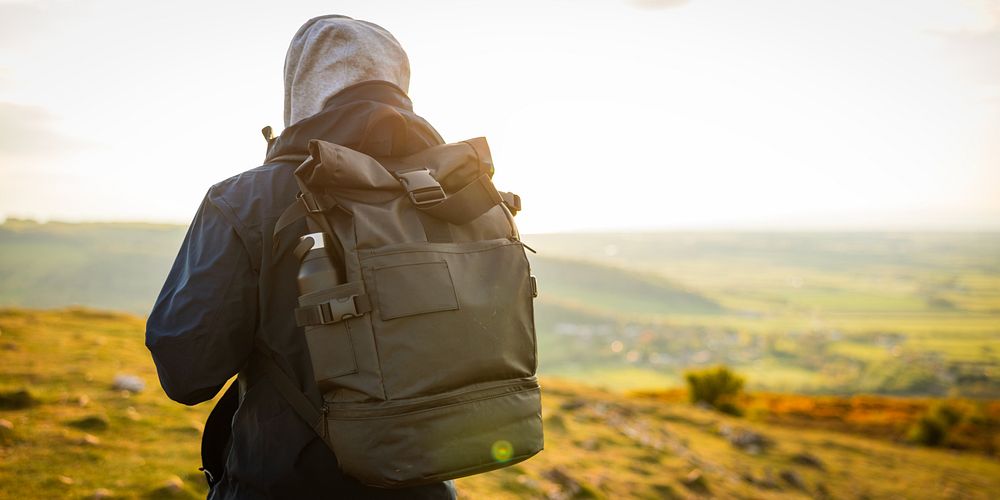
x=601 y=114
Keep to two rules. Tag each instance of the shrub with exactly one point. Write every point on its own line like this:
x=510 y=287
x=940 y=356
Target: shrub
x=935 y=427
x=928 y=431
x=717 y=387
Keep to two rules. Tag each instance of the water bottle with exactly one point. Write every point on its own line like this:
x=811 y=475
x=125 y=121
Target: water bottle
x=316 y=270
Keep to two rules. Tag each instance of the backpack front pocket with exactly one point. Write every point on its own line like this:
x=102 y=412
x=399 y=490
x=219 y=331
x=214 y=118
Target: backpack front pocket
x=450 y=314
x=397 y=298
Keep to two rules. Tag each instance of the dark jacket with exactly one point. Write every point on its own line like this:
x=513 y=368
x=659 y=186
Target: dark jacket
x=228 y=287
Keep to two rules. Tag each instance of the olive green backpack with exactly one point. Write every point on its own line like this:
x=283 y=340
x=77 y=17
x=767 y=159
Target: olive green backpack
x=417 y=307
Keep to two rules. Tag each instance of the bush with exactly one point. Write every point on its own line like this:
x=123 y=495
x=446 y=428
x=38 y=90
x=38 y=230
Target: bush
x=717 y=387
x=935 y=427
x=928 y=431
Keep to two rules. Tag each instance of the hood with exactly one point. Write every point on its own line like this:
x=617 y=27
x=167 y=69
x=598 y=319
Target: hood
x=373 y=117
x=331 y=53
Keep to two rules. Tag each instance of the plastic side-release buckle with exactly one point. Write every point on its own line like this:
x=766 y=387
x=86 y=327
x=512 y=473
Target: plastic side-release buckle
x=340 y=309
x=512 y=201
x=332 y=311
x=422 y=187
x=534 y=285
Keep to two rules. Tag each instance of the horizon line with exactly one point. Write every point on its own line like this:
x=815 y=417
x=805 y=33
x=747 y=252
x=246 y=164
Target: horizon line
x=732 y=227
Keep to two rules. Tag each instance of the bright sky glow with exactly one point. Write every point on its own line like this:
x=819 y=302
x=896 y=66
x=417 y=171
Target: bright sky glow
x=610 y=114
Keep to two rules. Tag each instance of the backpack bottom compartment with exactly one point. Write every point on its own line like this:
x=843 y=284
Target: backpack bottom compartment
x=405 y=443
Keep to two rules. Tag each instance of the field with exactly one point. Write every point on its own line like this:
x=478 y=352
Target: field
x=816 y=313
x=825 y=313
x=66 y=432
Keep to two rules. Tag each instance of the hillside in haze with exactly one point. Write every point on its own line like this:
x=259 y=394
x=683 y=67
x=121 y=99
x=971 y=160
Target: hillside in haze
x=833 y=313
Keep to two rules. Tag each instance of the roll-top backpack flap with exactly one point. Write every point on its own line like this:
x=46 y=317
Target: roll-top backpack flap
x=346 y=174
x=454 y=166
x=452 y=184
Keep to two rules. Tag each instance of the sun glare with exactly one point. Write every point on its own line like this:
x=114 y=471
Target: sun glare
x=622 y=116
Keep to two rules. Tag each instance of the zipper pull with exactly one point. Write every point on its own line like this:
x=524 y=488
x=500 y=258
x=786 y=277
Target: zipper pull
x=325 y=410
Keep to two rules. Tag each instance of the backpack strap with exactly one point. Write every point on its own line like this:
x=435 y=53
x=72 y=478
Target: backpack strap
x=315 y=418
x=305 y=203
x=459 y=208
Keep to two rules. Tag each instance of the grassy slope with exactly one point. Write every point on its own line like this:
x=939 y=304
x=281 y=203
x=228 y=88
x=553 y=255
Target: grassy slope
x=68 y=361
x=605 y=444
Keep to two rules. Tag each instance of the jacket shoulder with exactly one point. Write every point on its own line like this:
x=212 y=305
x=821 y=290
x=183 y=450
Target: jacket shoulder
x=256 y=195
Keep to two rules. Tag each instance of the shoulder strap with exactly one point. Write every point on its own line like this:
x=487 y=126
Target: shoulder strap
x=316 y=418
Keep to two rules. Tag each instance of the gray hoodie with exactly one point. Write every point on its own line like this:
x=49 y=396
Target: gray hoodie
x=330 y=53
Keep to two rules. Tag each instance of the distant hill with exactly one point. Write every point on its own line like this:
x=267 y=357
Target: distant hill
x=122 y=267
x=616 y=291
x=890 y=313
x=64 y=426
x=111 y=266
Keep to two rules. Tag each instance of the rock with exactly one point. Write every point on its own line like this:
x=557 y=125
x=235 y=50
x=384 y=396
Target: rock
x=90 y=440
x=132 y=414
x=695 y=481
x=130 y=383
x=568 y=486
x=172 y=488
x=665 y=491
x=768 y=480
x=555 y=423
x=10 y=346
x=91 y=423
x=6 y=431
x=792 y=478
x=573 y=404
x=65 y=480
x=102 y=493
x=83 y=400
x=822 y=491
x=17 y=400
x=591 y=444
x=808 y=459
x=174 y=484
x=747 y=440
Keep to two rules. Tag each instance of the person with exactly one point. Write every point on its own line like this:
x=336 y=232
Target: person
x=232 y=287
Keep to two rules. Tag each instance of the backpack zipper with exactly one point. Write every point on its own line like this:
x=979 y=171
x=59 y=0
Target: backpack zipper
x=395 y=408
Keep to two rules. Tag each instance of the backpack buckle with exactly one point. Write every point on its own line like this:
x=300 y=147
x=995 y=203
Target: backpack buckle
x=422 y=187
x=335 y=310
